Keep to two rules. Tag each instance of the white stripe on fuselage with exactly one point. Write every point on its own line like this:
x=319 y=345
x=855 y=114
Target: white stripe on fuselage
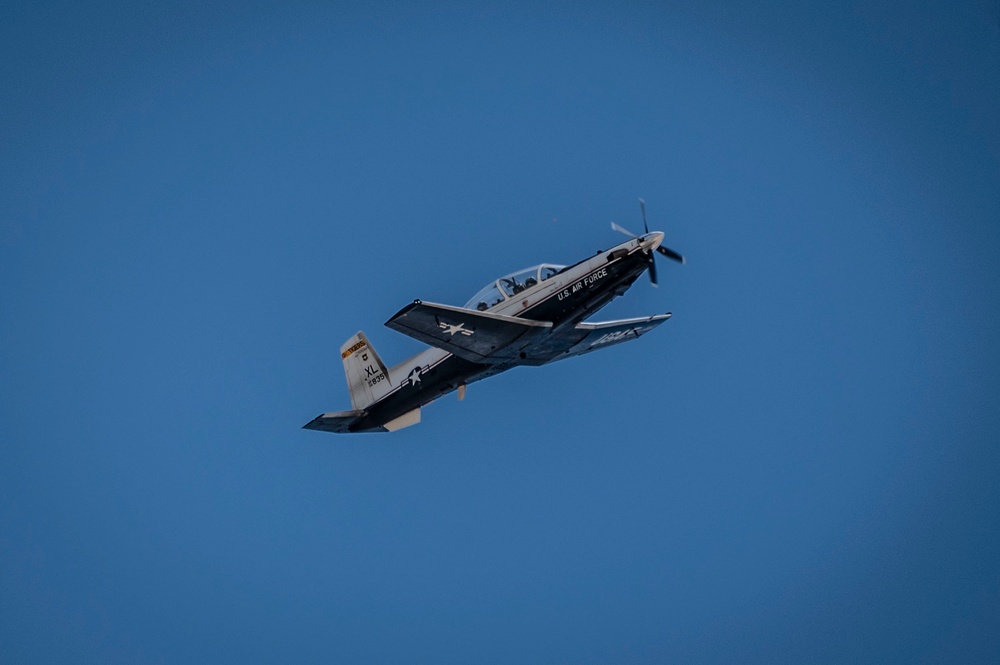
x=565 y=283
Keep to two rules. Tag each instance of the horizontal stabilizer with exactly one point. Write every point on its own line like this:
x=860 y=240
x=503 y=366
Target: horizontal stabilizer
x=479 y=337
x=339 y=422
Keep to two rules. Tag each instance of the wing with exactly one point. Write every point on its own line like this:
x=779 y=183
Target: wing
x=587 y=337
x=480 y=337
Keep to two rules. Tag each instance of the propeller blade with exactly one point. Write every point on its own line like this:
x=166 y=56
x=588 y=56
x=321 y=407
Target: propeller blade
x=670 y=254
x=652 y=270
x=622 y=230
x=665 y=251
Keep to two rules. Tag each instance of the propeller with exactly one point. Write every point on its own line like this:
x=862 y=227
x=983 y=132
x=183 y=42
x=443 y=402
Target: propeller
x=665 y=251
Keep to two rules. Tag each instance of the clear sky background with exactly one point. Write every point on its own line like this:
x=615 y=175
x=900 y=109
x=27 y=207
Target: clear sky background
x=200 y=204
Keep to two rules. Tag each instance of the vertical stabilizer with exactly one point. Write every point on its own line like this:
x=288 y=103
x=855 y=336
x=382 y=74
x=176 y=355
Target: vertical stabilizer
x=367 y=377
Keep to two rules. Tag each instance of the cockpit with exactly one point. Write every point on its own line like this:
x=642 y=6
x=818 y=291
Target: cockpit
x=510 y=285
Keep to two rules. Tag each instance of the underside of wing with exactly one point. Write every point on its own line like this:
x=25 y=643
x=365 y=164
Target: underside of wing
x=587 y=337
x=479 y=337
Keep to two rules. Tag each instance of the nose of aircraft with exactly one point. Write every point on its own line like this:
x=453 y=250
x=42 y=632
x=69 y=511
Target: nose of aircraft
x=651 y=240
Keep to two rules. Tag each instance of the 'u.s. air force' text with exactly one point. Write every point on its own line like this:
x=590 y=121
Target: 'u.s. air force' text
x=588 y=281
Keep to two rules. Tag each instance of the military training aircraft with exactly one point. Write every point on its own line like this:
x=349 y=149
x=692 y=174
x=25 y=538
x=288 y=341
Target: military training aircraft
x=530 y=317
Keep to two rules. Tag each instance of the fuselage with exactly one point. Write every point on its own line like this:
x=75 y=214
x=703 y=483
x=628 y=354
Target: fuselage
x=565 y=299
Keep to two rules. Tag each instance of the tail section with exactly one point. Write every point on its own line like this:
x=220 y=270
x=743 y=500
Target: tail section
x=367 y=377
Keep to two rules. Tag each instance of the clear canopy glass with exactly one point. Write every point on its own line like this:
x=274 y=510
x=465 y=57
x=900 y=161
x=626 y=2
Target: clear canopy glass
x=510 y=285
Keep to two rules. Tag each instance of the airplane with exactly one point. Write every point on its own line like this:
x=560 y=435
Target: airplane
x=531 y=317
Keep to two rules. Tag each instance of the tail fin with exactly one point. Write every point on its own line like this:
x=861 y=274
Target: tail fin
x=367 y=377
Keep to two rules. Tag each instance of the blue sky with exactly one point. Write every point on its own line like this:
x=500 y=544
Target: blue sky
x=200 y=205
